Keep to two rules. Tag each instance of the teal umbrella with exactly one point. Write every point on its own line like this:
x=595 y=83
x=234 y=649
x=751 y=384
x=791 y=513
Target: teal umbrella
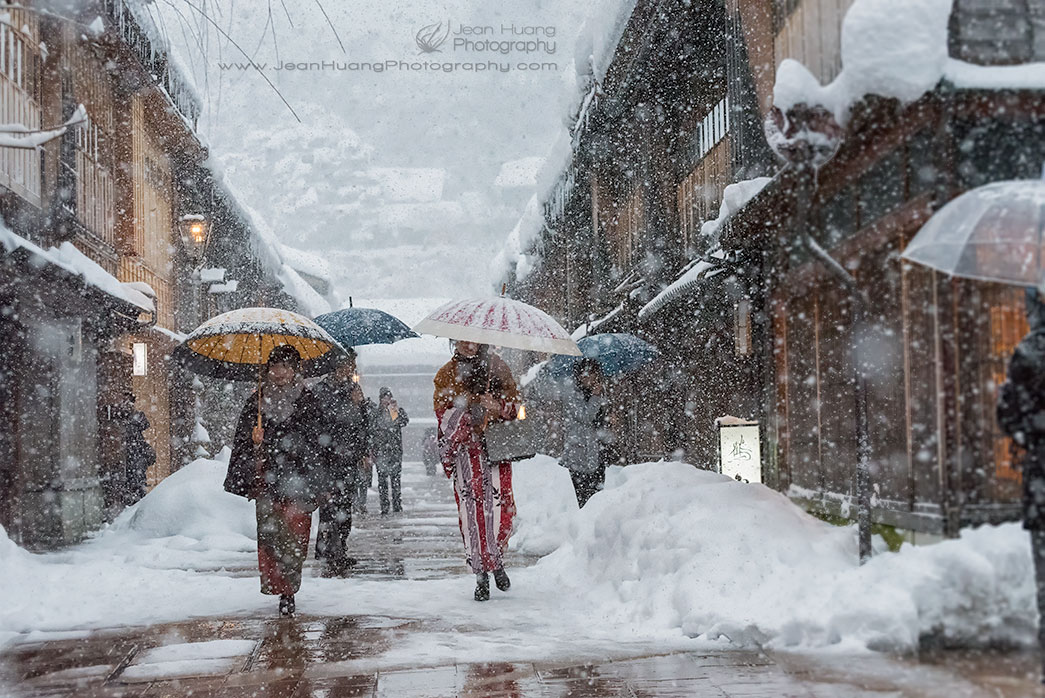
x=353 y=327
x=617 y=354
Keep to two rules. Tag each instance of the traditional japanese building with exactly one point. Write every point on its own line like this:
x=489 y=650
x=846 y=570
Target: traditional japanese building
x=676 y=214
x=111 y=213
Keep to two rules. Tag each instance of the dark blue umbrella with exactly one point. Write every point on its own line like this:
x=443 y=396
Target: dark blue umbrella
x=617 y=353
x=355 y=326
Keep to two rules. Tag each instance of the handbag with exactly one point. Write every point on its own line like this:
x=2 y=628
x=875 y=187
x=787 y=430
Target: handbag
x=511 y=441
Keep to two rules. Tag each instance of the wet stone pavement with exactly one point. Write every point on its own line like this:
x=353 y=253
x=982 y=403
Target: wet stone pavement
x=319 y=656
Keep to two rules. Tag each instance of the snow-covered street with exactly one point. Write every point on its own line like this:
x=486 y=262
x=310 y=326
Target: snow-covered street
x=168 y=597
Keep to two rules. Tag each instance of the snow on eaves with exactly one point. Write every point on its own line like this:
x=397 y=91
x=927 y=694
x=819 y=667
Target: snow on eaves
x=70 y=259
x=602 y=31
x=734 y=197
x=596 y=44
x=590 y=328
x=312 y=304
x=1026 y=76
x=890 y=48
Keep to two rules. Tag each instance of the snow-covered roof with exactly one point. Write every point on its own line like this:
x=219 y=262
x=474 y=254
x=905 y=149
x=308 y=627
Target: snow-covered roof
x=70 y=259
x=305 y=262
x=409 y=183
x=891 y=48
x=596 y=43
x=519 y=173
x=312 y=304
x=268 y=248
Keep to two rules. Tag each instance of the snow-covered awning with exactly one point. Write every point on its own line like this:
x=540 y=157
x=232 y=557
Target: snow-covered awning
x=691 y=279
x=591 y=327
x=74 y=262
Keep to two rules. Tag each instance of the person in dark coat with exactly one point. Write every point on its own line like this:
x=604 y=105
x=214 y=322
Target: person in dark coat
x=140 y=455
x=386 y=434
x=586 y=430
x=1021 y=415
x=347 y=427
x=280 y=463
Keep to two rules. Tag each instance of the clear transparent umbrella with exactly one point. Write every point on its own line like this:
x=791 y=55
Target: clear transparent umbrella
x=991 y=233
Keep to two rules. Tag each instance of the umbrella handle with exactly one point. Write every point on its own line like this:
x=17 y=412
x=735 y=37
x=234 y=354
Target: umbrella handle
x=258 y=435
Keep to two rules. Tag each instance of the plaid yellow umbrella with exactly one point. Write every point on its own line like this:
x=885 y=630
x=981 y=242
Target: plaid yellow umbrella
x=235 y=344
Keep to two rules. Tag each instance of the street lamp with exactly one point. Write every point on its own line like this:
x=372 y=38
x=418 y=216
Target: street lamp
x=806 y=138
x=195 y=231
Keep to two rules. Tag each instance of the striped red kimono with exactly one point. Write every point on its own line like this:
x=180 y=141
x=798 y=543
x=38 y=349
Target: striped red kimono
x=483 y=490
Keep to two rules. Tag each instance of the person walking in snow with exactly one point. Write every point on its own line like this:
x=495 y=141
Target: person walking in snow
x=347 y=426
x=472 y=390
x=280 y=464
x=586 y=429
x=386 y=439
x=1021 y=415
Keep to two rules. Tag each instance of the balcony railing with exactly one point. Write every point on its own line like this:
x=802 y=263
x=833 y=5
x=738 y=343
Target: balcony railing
x=144 y=39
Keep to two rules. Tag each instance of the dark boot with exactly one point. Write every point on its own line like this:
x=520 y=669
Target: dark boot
x=500 y=577
x=482 y=587
x=286 y=605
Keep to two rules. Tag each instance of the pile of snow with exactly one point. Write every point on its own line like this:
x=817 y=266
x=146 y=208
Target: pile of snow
x=668 y=545
x=890 y=48
x=546 y=505
x=192 y=503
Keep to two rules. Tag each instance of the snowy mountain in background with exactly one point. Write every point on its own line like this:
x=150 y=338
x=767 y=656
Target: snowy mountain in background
x=405 y=181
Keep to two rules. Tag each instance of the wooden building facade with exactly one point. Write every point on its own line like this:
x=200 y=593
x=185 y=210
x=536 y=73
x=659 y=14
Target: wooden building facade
x=748 y=323
x=111 y=190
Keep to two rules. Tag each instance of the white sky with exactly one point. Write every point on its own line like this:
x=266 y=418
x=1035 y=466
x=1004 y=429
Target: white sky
x=341 y=183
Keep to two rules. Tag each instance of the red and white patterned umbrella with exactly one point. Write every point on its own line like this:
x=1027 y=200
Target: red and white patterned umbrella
x=502 y=322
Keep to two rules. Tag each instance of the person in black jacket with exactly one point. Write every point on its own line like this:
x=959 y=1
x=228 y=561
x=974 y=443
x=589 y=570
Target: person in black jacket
x=346 y=425
x=279 y=459
x=140 y=455
x=386 y=433
x=1021 y=415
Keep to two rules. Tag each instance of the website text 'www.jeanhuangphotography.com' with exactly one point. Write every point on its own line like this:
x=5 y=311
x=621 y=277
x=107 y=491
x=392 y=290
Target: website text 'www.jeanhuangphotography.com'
x=402 y=66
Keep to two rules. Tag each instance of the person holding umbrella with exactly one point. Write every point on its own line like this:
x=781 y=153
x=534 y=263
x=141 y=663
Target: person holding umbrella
x=586 y=429
x=280 y=460
x=280 y=452
x=472 y=390
x=347 y=426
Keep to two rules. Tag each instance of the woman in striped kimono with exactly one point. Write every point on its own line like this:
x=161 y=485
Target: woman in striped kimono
x=473 y=389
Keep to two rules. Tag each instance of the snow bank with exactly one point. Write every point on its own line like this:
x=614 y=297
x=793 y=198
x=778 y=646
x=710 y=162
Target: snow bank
x=546 y=505
x=891 y=48
x=192 y=503
x=671 y=546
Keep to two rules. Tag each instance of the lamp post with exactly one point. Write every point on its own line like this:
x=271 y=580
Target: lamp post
x=194 y=230
x=807 y=137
